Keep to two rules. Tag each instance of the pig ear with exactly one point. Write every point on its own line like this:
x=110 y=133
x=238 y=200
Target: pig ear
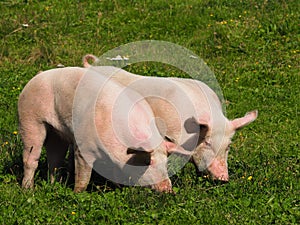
x=243 y=121
x=173 y=148
x=87 y=57
x=192 y=125
x=200 y=126
x=140 y=157
x=204 y=123
x=204 y=119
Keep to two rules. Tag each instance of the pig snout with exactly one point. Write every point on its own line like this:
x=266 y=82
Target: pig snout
x=218 y=170
x=163 y=186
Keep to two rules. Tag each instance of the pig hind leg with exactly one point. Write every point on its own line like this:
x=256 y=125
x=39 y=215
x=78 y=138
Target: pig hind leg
x=33 y=134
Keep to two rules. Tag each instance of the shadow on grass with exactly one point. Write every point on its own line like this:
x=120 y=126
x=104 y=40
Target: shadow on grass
x=11 y=164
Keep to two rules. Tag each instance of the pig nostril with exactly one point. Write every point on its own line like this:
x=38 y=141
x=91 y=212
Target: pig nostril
x=221 y=179
x=224 y=179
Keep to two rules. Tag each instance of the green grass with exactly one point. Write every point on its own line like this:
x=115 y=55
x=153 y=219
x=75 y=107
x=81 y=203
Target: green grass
x=253 y=49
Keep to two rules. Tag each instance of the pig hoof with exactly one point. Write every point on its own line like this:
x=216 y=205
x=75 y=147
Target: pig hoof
x=79 y=189
x=27 y=184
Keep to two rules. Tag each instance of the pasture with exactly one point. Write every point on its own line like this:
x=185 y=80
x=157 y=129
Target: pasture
x=253 y=49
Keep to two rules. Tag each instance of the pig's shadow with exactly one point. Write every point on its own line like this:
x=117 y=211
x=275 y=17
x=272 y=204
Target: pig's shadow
x=106 y=172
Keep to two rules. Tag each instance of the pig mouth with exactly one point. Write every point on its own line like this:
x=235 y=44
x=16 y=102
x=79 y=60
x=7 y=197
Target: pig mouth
x=163 y=186
x=223 y=178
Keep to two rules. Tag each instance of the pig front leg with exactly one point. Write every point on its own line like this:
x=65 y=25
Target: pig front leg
x=83 y=171
x=33 y=135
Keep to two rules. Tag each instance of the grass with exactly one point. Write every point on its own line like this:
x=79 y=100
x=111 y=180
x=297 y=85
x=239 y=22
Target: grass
x=253 y=49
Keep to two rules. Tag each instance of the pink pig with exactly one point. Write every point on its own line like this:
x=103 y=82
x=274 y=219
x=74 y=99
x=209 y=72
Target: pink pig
x=189 y=111
x=102 y=119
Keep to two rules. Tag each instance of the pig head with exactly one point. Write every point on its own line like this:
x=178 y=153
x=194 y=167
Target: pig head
x=216 y=135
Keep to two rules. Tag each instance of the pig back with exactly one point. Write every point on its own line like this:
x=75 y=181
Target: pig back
x=48 y=98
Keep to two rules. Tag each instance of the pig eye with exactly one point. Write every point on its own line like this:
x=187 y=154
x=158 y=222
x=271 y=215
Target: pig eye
x=169 y=139
x=228 y=148
x=207 y=143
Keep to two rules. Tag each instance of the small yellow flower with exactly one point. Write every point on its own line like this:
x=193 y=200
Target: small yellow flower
x=289 y=66
x=5 y=143
x=249 y=178
x=73 y=213
x=15 y=132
